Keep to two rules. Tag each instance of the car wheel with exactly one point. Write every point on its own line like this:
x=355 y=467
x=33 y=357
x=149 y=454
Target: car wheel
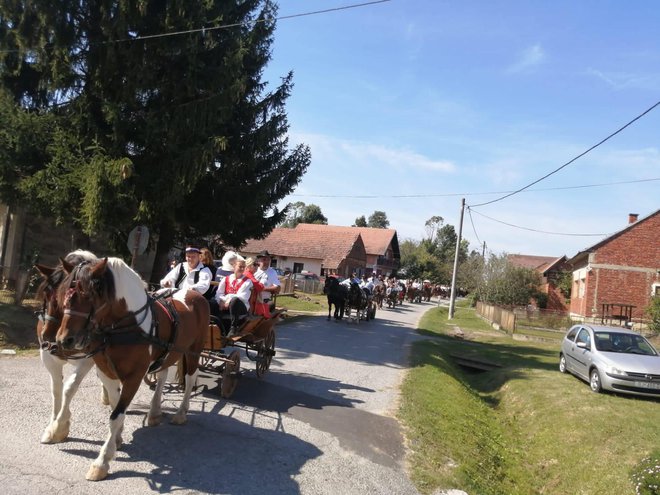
x=594 y=381
x=562 y=363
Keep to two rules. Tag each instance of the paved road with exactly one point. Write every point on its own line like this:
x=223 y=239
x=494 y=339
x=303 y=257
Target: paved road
x=320 y=422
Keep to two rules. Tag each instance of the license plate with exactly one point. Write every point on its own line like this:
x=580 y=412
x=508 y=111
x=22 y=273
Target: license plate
x=653 y=385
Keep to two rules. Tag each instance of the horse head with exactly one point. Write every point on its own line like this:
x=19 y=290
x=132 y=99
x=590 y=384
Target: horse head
x=83 y=296
x=50 y=314
x=330 y=285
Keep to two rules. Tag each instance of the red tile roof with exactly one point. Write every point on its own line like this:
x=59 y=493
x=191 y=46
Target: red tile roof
x=376 y=241
x=538 y=263
x=312 y=244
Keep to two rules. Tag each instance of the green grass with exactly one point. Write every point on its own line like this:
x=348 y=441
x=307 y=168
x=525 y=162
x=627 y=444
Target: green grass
x=523 y=428
x=303 y=302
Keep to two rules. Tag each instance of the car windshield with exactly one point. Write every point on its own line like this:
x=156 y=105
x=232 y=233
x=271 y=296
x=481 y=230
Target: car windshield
x=624 y=343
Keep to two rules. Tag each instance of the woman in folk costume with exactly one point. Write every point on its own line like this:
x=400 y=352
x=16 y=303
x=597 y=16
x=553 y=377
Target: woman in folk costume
x=233 y=296
x=257 y=307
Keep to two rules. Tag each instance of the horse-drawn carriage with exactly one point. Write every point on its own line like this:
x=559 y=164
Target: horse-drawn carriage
x=353 y=302
x=256 y=336
x=99 y=310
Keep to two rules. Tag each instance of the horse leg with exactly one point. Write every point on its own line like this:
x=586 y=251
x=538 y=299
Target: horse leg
x=54 y=367
x=192 y=371
x=111 y=390
x=101 y=465
x=155 y=415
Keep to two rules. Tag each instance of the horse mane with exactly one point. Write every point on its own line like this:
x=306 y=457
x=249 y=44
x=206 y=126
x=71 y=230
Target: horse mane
x=53 y=281
x=128 y=285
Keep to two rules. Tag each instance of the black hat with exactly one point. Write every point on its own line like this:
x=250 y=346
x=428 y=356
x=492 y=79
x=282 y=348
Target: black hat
x=263 y=254
x=192 y=249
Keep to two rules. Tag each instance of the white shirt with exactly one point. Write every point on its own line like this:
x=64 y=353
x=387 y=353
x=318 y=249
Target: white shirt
x=268 y=278
x=243 y=292
x=203 y=281
x=367 y=285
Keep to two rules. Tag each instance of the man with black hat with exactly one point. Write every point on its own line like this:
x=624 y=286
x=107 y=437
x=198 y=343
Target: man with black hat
x=268 y=277
x=191 y=275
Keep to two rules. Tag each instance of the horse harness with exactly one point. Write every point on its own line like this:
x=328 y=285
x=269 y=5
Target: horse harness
x=118 y=334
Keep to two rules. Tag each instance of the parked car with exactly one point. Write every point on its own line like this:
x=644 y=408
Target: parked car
x=611 y=358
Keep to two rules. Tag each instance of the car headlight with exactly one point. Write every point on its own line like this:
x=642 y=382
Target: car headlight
x=613 y=370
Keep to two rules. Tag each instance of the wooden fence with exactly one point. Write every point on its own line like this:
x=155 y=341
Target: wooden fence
x=504 y=318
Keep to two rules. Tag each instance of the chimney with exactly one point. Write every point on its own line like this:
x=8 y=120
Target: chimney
x=632 y=217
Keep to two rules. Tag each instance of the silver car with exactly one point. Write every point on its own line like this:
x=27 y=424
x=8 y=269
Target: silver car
x=611 y=358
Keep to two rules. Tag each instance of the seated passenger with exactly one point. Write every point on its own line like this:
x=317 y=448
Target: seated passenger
x=233 y=297
x=206 y=257
x=257 y=306
x=191 y=275
x=267 y=275
x=367 y=285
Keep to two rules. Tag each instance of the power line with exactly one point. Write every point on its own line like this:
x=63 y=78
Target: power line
x=365 y=196
x=472 y=222
x=574 y=159
x=227 y=26
x=470 y=208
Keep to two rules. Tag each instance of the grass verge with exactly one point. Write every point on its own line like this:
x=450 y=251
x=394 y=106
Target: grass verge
x=303 y=302
x=522 y=428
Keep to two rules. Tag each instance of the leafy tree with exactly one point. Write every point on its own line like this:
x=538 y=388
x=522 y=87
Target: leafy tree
x=432 y=225
x=378 y=220
x=507 y=285
x=177 y=132
x=360 y=221
x=300 y=212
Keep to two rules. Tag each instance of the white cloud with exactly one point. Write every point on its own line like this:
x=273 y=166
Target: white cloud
x=623 y=80
x=529 y=58
x=336 y=151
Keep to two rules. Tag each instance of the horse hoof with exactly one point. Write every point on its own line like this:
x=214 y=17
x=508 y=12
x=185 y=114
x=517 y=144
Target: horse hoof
x=53 y=434
x=96 y=473
x=178 y=419
x=154 y=420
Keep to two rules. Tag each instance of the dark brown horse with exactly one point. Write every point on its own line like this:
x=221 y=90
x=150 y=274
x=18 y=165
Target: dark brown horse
x=107 y=313
x=337 y=295
x=55 y=358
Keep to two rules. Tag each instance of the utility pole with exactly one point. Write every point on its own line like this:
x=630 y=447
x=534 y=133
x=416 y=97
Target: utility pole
x=483 y=253
x=452 y=297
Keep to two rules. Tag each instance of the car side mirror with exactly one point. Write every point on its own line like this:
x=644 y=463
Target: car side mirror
x=584 y=345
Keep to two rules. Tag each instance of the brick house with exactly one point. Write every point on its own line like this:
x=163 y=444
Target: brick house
x=551 y=269
x=312 y=250
x=614 y=280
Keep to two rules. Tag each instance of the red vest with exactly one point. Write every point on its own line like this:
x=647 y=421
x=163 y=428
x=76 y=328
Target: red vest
x=235 y=285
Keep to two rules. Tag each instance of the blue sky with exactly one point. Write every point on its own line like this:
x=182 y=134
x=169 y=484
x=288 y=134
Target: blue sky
x=459 y=99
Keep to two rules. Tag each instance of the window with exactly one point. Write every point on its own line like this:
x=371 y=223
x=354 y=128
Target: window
x=298 y=267
x=583 y=336
x=583 y=282
x=571 y=335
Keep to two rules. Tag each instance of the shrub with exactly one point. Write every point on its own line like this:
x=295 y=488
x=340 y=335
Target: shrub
x=653 y=310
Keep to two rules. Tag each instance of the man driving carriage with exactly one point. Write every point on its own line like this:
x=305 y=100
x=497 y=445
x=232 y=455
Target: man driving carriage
x=190 y=275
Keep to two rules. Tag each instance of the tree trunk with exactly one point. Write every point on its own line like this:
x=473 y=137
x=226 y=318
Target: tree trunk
x=165 y=238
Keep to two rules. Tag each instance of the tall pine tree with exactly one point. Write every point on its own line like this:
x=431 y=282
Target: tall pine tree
x=176 y=132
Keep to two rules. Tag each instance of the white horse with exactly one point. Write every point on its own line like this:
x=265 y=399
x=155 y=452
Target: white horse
x=54 y=358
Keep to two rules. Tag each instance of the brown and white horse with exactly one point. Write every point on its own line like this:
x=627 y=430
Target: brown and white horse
x=55 y=358
x=108 y=313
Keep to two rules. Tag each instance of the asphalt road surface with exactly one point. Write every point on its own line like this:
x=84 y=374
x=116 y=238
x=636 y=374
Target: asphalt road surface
x=321 y=421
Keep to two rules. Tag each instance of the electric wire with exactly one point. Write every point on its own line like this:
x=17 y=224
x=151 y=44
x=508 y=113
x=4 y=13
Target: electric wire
x=473 y=228
x=573 y=159
x=370 y=196
x=227 y=26
x=534 y=230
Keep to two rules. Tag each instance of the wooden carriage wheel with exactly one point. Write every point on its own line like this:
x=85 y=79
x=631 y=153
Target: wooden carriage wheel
x=265 y=353
x=230 y=375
